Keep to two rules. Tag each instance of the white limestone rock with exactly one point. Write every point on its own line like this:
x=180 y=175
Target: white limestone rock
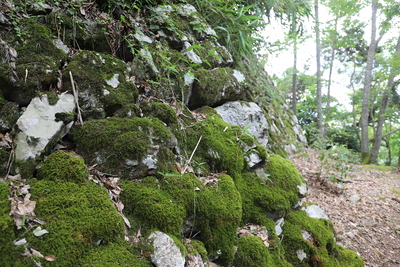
x=166 y=252
x=38 y=128
x=246 y=115
x=315 y=212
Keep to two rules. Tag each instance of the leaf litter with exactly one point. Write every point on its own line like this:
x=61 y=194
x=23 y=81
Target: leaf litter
x=365 y=210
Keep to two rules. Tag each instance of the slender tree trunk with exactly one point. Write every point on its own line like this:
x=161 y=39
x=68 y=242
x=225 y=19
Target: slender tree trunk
x=294 y=78
x=382 y=110
x=353 y=100
x=319 y=86
x=333 y=53
x=365 y=155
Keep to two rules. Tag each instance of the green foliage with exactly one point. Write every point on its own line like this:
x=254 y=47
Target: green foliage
x=340 y=156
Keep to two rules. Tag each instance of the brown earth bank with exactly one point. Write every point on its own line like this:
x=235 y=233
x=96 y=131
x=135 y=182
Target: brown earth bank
x=363 y=203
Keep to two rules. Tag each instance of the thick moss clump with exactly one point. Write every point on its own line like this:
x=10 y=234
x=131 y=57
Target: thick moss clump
x=159 y=110
x=211 y=212
x=80 y=218
x=62 y=166
x=152 y=207
x=251 y=252
x=113 y=255
x=221 y=146
x=119 y=145
x=283 y=173
x=315 y=238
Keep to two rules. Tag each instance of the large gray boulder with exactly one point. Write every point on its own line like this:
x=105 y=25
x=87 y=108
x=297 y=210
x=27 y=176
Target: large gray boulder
x=38 y=128
x=166 y=252
x=248 y=116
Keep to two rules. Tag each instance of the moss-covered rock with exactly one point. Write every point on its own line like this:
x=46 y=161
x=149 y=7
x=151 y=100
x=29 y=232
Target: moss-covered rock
x=215 y=87
x=9 y=113
x=311 y=242
x=129 y=147
x=61 y=166
x=152 y=207
x=212 y=213
x=80 y=218
x=159 y=110
x=113 y=254
x=102 y=86
x=36 y=66
x=251 y=252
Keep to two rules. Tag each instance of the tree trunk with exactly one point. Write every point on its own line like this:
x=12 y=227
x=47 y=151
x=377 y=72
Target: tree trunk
x=365 y=154
x=294 y=78
x=381 y=118
x=333 y=52
x=319 y=86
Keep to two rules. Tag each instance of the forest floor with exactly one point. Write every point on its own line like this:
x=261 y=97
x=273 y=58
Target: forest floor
x=364 y=205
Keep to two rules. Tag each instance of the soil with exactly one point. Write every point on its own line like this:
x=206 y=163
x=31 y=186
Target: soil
x=364 y=205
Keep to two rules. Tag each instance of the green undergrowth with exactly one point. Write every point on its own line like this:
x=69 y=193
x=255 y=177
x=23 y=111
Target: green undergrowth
x=314 y=237
x=376 y=167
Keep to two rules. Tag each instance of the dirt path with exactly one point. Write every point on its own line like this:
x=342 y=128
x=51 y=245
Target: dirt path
x=365 y=208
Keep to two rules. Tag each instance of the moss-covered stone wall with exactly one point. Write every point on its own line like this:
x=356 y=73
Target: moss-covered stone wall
x=151 y=153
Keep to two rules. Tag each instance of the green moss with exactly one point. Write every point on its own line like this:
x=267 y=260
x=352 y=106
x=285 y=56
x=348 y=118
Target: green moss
x=276 y=192
x=62 y=166
x=219 y=149
x=218 y=214
x=320 y=247
x=159 y=110
x=65 y=117
x=376 y=167
x=152 y=207
x=38 y=60
x=283 y=173
x=110 y=142
x=77 y=217
x=52 y=98
x=26 y=168
x=4 y=156
x=166 y=203
x=207 y=90
x=196 y=247
x=92 y=73
x=113 y=255
x=260 y=197
x=9 y=114
x=251 y=252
